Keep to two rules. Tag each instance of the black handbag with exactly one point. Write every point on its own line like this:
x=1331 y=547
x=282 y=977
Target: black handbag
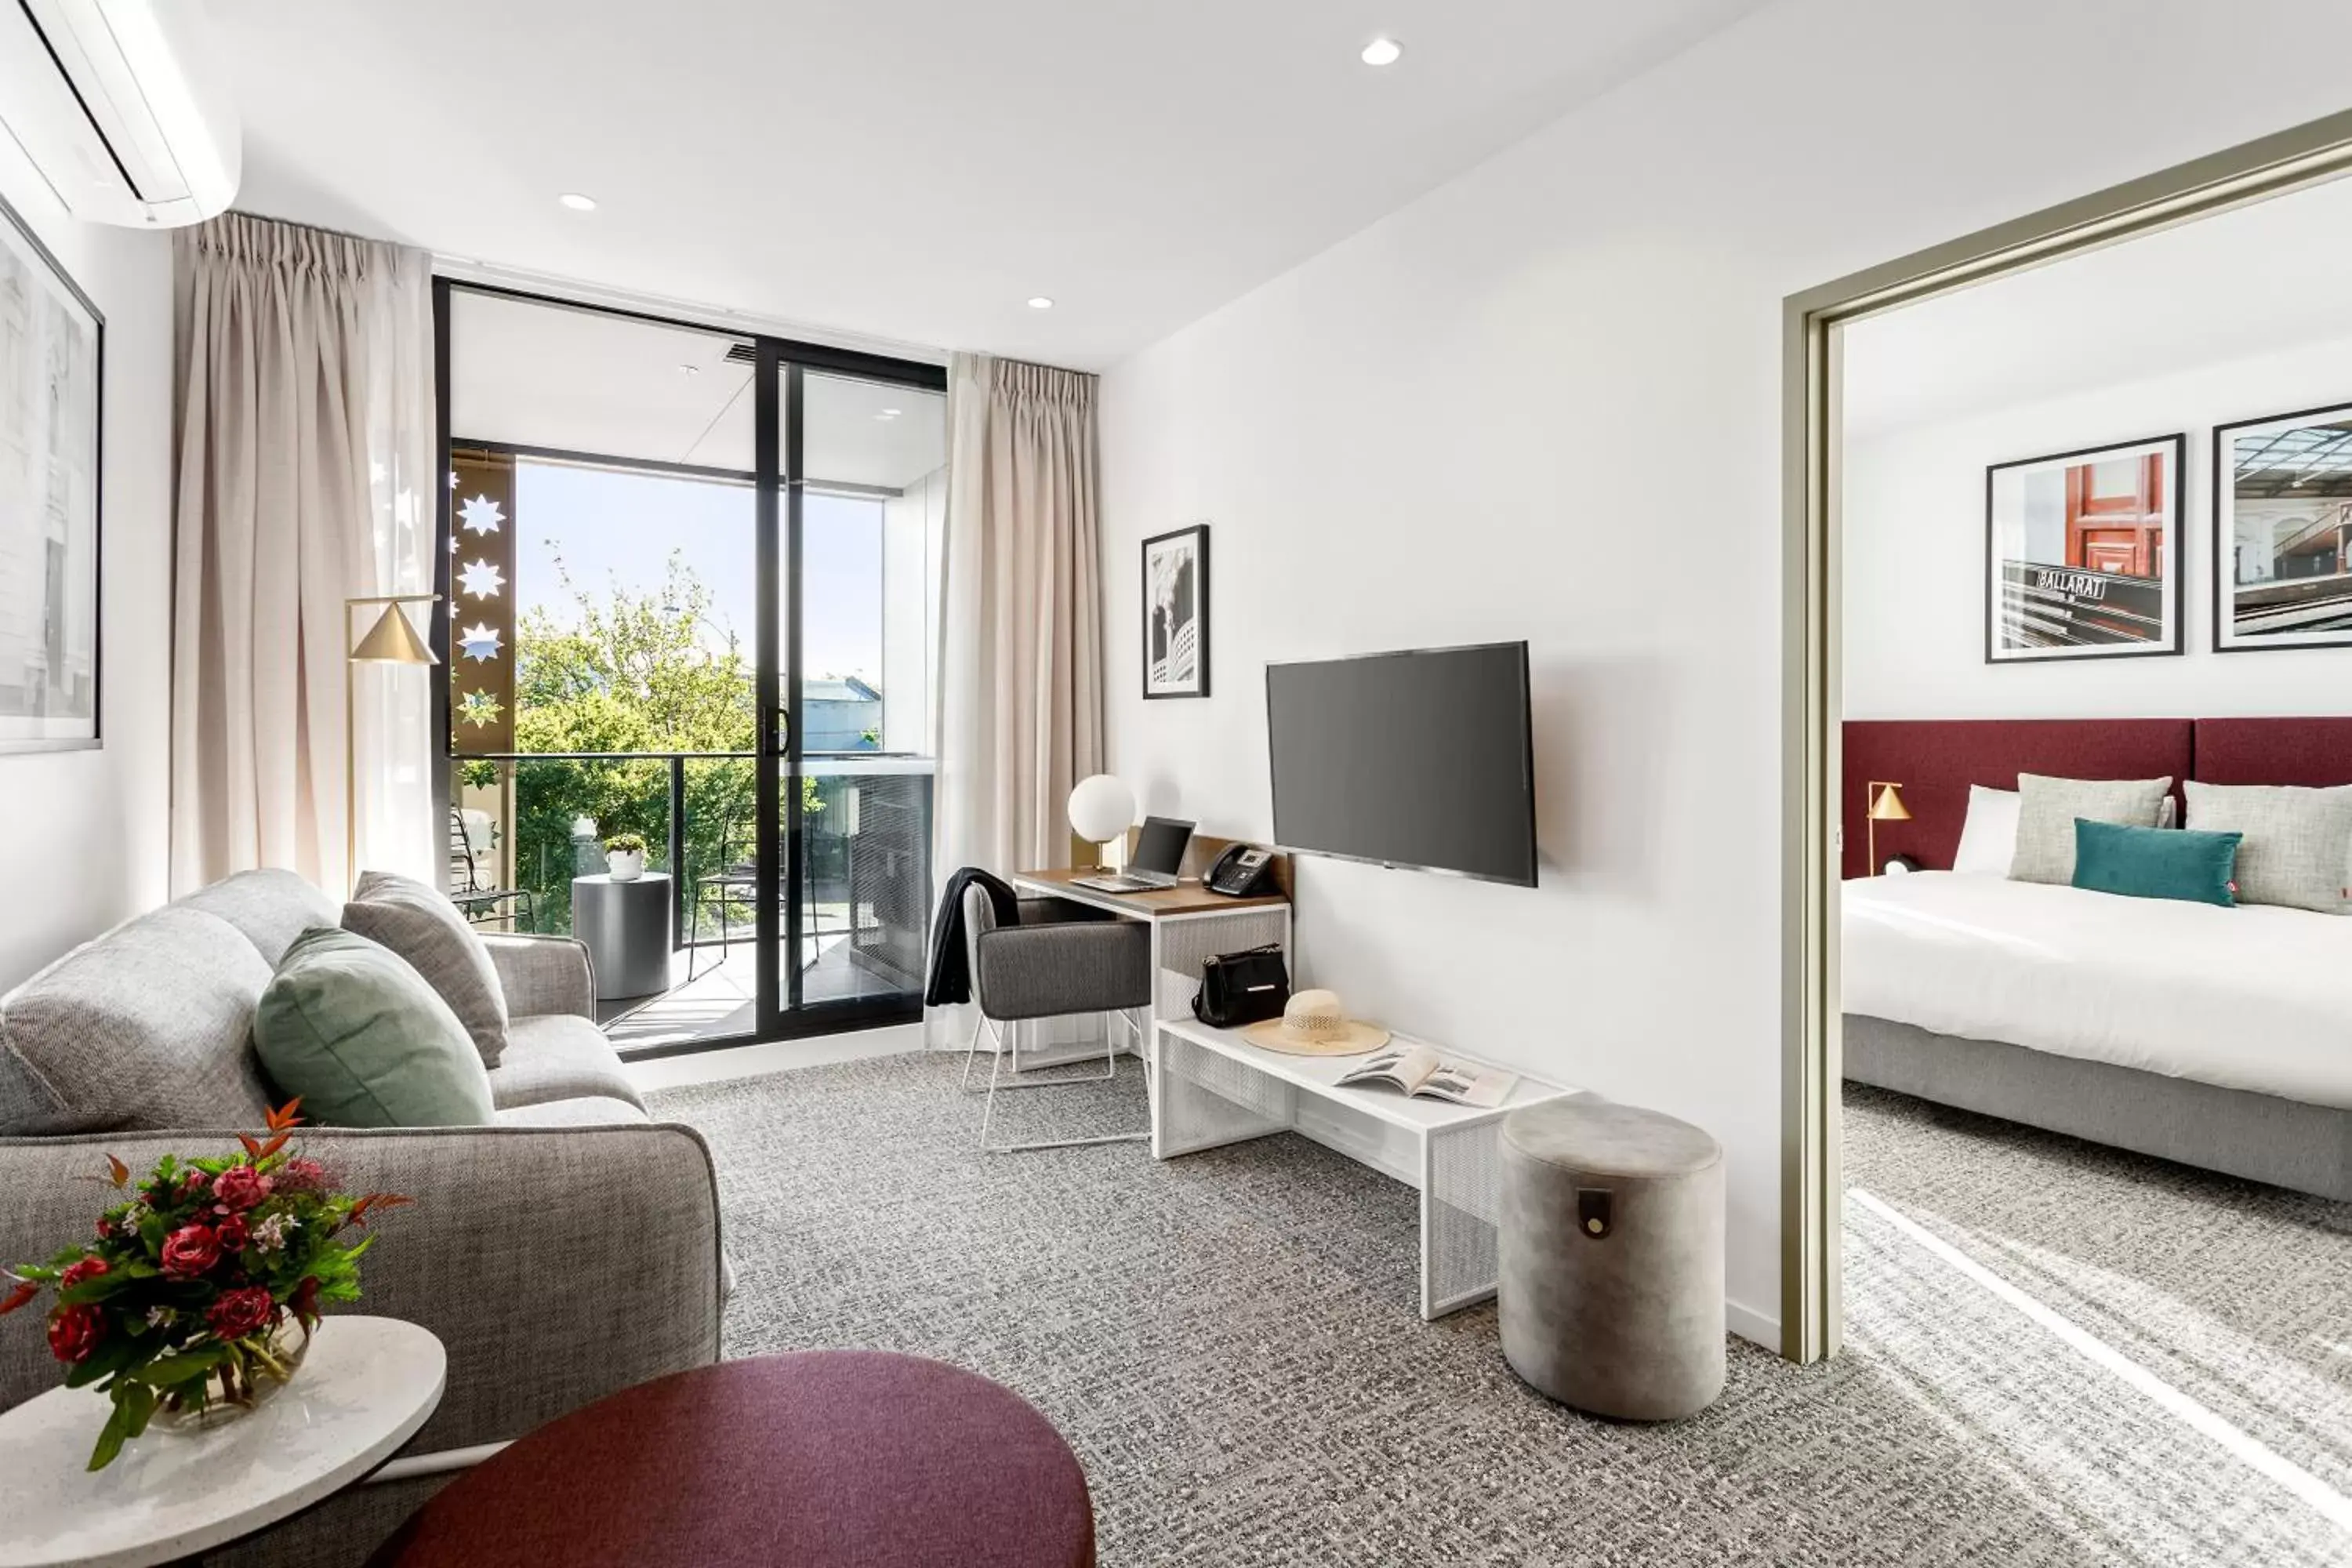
x=1246 y=987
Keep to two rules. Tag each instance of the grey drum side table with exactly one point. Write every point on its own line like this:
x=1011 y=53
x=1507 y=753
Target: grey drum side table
x=625 y=928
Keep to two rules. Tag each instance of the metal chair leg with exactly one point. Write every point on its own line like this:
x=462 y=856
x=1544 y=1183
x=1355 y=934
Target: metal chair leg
x=971 y=1050
x=996 y=1066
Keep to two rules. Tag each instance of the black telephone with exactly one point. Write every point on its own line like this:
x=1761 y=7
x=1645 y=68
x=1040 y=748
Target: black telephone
x=1241 y=871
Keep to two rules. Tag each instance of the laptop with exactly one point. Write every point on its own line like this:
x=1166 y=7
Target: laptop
x=1158 y=850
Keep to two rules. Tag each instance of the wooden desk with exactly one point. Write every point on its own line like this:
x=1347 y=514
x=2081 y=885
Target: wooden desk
x=1187 y=898
x=1189 y=925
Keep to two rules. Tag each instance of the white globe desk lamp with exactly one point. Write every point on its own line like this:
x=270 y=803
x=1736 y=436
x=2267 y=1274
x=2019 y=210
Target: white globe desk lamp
x=1101 y=809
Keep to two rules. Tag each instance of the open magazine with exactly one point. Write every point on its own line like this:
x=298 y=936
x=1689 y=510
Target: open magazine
x=1421 y=1071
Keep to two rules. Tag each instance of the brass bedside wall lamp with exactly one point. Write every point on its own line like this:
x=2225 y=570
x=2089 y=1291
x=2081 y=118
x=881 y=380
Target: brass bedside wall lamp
x=1885 y=802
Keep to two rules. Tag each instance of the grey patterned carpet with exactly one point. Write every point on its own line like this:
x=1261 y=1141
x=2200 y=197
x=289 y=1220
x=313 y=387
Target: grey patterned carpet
x=1230 y=1343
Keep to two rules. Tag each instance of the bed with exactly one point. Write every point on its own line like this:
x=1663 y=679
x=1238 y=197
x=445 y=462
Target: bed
x=2221 y=1038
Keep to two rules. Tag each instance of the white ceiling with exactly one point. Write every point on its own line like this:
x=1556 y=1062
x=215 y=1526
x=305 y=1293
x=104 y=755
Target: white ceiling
x=2253 y=280
x=581 y=381
x=913 y=171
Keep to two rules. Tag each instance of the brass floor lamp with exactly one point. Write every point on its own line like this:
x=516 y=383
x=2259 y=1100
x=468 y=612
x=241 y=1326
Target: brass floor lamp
x=393 y=639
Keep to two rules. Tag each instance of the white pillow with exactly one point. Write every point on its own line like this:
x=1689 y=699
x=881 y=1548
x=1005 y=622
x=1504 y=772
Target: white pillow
x=1988 y=836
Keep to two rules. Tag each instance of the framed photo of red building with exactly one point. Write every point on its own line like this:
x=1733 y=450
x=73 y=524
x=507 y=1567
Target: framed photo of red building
x=2283 y=531
x=2081 y=553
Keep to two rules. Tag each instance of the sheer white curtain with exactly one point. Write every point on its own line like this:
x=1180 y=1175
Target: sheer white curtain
x=304 y=433
x=1021 y=706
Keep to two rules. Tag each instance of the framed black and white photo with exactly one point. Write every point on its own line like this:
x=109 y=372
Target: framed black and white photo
x=52 y=353
x=1176 y=612
x=2081 y=553
x=2283 y=531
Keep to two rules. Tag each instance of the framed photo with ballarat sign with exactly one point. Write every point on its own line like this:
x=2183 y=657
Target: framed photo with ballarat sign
x=2081 y=553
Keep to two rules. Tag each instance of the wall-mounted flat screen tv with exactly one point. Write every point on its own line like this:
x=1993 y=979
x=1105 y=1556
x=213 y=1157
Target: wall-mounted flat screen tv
x=1423 y=759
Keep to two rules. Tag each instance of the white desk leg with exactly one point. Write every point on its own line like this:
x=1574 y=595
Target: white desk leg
x=1154 y=1101
x=1461 y=1214
x=1428 y=1197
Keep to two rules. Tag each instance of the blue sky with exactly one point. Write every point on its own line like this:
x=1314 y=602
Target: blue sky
x=621 y=527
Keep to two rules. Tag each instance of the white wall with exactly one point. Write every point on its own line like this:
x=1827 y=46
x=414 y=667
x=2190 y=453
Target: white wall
x=1915 y=568
x=87 y=830
x=1544 y=401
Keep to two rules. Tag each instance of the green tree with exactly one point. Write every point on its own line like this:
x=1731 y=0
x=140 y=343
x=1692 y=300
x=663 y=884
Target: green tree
x=631 y=671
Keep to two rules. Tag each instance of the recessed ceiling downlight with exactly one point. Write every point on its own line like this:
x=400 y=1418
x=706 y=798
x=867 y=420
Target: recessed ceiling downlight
x=1039 y=303
x=577 y=202
x=1382 y=52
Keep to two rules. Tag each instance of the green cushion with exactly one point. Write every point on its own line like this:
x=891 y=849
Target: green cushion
x=347 y=1024
x=2156 y=862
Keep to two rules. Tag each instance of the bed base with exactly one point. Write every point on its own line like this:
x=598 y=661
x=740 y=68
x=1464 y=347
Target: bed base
x=2261 y=1137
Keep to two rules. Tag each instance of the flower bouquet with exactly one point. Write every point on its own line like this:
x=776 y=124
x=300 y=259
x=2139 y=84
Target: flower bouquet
x=199 y=1294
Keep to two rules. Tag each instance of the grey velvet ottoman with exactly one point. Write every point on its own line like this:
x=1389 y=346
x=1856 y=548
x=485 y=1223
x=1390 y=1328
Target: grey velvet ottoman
x=1611 y=1257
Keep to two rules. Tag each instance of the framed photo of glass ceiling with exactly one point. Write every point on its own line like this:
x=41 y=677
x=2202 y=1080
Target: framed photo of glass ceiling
x=2081 y=553
x=52 y=354
x=2283 y=531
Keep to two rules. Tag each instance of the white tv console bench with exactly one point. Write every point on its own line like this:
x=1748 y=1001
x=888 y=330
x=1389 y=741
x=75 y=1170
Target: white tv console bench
x=1212 y=1087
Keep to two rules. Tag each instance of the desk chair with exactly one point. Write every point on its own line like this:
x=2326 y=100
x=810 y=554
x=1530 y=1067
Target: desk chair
x=1059 y=960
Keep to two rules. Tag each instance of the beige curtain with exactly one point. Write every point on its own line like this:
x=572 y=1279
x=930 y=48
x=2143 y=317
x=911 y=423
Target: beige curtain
x=1021 y=708
x=304 y=442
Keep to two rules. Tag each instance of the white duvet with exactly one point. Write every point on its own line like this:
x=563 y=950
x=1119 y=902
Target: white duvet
x=2254 y=997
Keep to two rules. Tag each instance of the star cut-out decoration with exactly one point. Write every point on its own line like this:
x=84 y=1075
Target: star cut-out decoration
x=481 y=579
x=482 y=515
x=480 y=642
x=479 y=708
x=453 y=544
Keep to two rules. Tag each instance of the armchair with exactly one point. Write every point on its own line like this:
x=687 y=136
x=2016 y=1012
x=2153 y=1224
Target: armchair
x=1059 y=960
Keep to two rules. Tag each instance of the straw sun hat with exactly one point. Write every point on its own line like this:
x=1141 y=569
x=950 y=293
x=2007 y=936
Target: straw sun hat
x=1313 y=1023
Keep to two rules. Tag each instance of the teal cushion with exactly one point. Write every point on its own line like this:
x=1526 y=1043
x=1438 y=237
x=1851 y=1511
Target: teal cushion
x=2156 y=862
x=347 y=1024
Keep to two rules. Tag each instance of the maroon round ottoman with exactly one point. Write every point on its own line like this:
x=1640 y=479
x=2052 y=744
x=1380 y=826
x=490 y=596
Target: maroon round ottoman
x=823 y=1460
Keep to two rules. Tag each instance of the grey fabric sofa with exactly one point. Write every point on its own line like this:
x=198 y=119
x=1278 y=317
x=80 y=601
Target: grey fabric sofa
x=568 y=1251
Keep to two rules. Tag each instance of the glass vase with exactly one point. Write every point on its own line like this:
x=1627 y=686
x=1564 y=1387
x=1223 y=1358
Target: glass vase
x=235 y=1390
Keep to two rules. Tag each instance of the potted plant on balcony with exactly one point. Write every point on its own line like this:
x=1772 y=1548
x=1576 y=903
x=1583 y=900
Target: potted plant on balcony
x=625 y=856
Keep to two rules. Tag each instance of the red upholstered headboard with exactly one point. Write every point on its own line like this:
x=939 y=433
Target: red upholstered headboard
x=1936 y=761
x=2313 y=753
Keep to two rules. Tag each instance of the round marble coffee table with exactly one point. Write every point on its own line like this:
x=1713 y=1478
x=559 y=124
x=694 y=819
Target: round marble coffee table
x=365 y=1386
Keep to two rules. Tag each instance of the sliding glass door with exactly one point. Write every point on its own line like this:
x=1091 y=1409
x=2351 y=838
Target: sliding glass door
x=866 y=459
x=691 y=582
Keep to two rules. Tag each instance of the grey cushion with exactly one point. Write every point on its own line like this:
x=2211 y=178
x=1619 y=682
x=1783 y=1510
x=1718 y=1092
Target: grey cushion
x=559 y=1057
x=2296 y=841
x=270 y=906
x=149 y=1027
x=2047 y=809
x=424 y=928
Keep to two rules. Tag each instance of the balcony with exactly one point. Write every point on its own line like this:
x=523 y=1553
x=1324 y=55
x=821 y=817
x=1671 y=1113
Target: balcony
x=531 y=824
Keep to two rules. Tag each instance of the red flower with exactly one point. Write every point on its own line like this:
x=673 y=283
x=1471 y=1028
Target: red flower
x=306 y=1299
x=241 y=1313
x=105 y=1228
x=240 y=1188
x=87 y=1268
x=74 y=1332
x=233 y=1234
x=191 y=1182
x=302 y=1174
x=190 y=1251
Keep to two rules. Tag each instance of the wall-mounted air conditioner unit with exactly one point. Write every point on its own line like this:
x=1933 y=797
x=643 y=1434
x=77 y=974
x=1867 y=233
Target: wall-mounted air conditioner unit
x=121 y=106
